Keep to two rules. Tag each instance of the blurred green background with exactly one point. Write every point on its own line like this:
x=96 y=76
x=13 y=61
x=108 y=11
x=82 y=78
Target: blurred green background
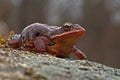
x=101 y=19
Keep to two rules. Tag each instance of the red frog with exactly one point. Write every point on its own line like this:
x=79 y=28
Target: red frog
x=55 y=40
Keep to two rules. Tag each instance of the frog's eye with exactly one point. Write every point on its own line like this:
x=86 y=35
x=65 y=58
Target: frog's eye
x=38 y=33
x=67 y=26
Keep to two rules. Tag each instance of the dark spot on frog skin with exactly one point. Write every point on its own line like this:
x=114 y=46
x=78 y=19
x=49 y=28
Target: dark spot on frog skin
x=37 y=33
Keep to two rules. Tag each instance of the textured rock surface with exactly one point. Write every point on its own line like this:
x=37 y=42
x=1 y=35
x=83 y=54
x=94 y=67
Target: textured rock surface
x=23 y=65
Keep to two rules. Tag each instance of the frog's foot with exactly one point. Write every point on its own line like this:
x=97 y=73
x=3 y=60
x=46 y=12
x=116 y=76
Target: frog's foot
x=77 y=54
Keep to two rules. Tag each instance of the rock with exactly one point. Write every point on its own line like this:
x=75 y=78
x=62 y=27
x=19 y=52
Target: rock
x=24 y=65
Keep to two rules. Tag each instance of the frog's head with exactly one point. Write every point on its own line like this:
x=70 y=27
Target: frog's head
x=65 y=38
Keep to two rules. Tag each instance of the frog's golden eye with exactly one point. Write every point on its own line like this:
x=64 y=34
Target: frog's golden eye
x=67 y=26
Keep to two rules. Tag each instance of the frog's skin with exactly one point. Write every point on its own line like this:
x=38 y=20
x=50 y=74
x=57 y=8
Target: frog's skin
x=57 y=41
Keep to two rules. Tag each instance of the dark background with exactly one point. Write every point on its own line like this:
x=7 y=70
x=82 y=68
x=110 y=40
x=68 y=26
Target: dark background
x=101 y=19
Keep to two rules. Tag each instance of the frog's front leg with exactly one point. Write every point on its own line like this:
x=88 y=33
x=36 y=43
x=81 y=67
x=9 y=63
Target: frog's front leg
x=77 y=54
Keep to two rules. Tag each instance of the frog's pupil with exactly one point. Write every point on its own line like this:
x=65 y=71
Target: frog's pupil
x=67 y=26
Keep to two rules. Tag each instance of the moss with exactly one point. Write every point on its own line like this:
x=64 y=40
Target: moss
x=3 y=40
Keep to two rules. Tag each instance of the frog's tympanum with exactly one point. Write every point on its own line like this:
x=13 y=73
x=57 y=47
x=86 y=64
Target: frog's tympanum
x=53 y=40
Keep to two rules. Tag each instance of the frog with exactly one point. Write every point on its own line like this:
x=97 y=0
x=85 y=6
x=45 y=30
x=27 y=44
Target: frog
x=57 y=41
